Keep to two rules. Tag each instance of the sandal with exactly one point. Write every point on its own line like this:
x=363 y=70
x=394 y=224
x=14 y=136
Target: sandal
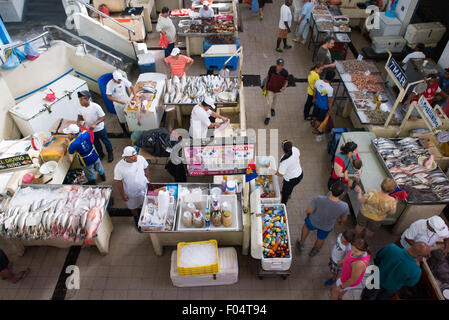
x=23 y=274
x=313 y=253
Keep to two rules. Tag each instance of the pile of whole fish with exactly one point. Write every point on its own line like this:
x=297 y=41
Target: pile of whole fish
x=71 y=212
x=193 y=90
x=401 y=158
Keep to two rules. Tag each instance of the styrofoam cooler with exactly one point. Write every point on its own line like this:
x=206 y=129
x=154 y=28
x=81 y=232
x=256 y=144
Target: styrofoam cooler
x=429 y=32
x=261 y=170
x=268 y=264
x=393 y=43
x=388 y=27
x=228 y=271
x=146 y=62
x=217 y=63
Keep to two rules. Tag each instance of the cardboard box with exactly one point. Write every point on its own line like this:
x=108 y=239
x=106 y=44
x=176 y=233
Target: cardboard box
x=113 y=5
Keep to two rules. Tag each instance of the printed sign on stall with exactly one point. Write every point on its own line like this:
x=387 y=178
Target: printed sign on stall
x=398 y=73
x=22 y=160
x=429 y=113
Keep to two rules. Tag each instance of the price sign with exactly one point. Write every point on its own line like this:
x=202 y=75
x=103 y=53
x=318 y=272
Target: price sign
x=425 y=106
x=367 y=73
x=22 y=160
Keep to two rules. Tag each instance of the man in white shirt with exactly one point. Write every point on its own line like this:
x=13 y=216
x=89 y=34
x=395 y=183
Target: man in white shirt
x=94 y=117
x=285 y=23
x=206 y=12
x=428 y=231
x=199 y=119
x=417 y=54
x=117 y=93
x=166 y=27
x=132 y=176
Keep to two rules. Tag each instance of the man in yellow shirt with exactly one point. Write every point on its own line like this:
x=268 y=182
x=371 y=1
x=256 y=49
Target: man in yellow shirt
x=314 y=75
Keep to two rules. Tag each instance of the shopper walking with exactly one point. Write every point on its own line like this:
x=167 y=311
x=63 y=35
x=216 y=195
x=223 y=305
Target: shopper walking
x=353 y=269
x=397 y=268
x=428 y=231
x=324 y=54
x=289 y=169
x=6 y=271
x=285 y=23
x=132 y=175
x=166 y=27
x=339 y=252
x=80 y=143
x=348 y=153
x=261 y=5
x=322 y=98
x=376 y=205
x=314 y=76
x=303 y=25
x=94 y=118
x=322 y=214
x=275 y=83
x=116 y=91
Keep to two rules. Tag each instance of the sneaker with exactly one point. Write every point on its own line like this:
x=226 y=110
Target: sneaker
x=313 y=253
x=279 y=50
x=110 y=157
x=287 y=47
x=329 y=282
x=299 y=246
x=261 y=16
x=273 y=113
x=102 y=177
x=267 y=121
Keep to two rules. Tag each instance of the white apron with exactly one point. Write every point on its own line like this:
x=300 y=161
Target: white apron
x=135 y=185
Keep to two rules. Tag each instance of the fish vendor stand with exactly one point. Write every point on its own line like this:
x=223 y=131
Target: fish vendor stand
x=194 y=40
x=43 y=163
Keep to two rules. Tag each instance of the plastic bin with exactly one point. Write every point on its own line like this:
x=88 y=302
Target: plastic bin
x=146 y=63
x=196 y=271
x=217 y=63
x=102 y=82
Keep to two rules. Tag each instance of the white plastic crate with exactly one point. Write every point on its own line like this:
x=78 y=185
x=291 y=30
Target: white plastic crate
x=200 y=203
x=394 y=43
x=263 y=170
x=228 y=271
x=429 y=32
x=232 y=200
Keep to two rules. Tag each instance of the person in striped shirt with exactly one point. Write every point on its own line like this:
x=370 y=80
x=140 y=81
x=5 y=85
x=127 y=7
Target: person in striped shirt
x=177 y=63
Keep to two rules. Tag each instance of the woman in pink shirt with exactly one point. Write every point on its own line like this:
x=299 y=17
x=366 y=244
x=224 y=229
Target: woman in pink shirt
x=353 y=269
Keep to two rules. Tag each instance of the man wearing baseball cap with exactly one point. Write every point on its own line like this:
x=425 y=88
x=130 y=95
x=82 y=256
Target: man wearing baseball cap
x=199 y=118
x=275 y=82
x=79 y=142
x=177 y=63
x=94 y=116
x=428 y=231
x=116 y=90
x=132 y=176
x=206 y=12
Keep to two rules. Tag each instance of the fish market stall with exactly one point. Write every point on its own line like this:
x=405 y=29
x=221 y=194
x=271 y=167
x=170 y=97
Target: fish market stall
x=57 y=215
x=146 y=111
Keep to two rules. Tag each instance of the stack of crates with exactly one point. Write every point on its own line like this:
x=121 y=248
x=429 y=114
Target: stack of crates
x=217 y=63
x=334 y=139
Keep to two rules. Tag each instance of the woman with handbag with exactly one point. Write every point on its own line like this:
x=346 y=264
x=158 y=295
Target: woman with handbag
x=348 y=153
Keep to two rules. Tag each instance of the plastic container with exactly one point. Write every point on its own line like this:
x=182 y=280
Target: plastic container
x=146 y=62
x=200 y=204
x=217 y=63
x=429 y=32
x=195 y=271
x=232 y=207
x=102 y=82
x=394 y=43
x=27 y=178
x=231 y=186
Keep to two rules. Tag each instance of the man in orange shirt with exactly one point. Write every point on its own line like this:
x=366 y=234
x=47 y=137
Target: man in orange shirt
x=177 y=63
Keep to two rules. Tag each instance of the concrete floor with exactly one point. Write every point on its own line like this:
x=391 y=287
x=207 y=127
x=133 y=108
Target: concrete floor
x=132 y=271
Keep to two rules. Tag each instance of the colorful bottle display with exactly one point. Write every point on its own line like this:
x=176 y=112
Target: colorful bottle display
x=274 y=232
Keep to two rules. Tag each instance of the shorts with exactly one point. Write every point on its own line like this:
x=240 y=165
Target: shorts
x=319 y=114
x=89 y=170
x=368 y=223
x=282 y=33
x=4 y=261
x=333 y=267
x=321 y=234
x=261 y=3
x=339 y=283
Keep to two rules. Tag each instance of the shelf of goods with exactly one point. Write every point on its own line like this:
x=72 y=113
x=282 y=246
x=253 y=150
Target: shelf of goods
x=267 y=183
x=361 y=82
x=57 y=215
x=178 y=212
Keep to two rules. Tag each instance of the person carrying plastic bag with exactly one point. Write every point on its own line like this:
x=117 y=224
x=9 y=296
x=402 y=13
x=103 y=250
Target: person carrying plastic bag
x=302 y=30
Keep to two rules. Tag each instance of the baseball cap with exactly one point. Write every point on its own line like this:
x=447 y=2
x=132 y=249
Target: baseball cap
x=117 y=75
x=129 y=152
x=209 y=102
x=175 y=52
x=439 y=226
x=206 y=3
x=280 y=61
x=84 y=93
x=72 y=129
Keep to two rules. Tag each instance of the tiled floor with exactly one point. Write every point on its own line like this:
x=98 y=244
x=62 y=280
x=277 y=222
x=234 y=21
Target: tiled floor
x=132 y=271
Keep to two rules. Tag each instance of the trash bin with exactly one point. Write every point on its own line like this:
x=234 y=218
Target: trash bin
x=102 y=82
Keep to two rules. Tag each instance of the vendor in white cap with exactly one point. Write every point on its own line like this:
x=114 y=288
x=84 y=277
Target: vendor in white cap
x=117 y=93
x=177 y=63
x=80 y=142
x=199 y=118
x=428 y=231
x=132 y=176
x=206 y=12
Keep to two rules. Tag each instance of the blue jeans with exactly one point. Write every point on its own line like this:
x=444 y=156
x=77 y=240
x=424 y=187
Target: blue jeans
x=169 y=49
x=103 y=136
x=303 y=30
x=89 y=170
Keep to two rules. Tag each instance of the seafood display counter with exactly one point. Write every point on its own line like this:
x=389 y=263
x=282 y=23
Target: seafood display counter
x=403 y=160
x=57 y=215
x=180 y=212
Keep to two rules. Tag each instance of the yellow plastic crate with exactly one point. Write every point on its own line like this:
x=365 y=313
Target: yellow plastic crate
x=196 y=271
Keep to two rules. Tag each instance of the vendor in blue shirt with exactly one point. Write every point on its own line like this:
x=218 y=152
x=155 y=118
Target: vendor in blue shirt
x=81 y=144
x=397 y=267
